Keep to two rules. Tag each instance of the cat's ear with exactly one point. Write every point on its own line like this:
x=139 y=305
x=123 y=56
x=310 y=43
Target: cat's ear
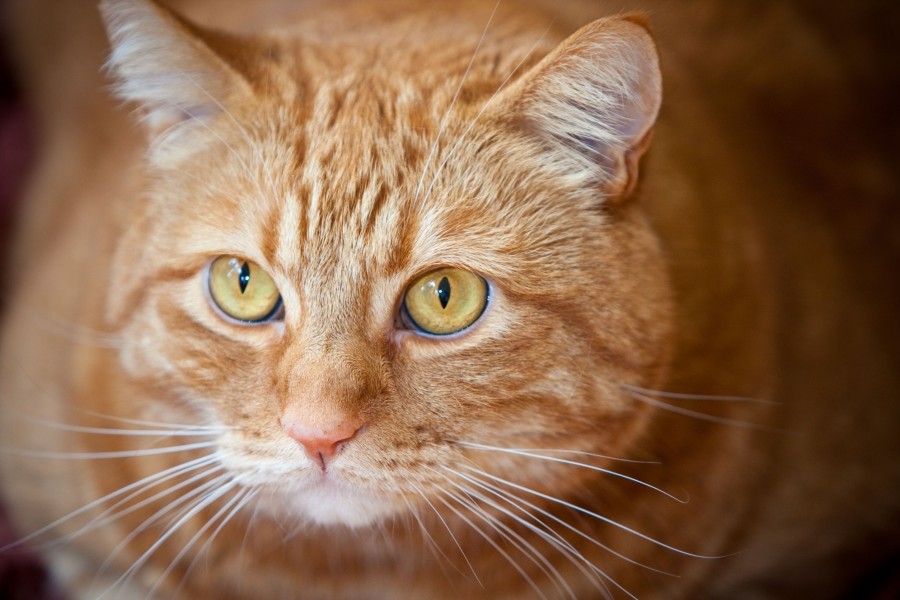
x=170 y=67
x=593 y=102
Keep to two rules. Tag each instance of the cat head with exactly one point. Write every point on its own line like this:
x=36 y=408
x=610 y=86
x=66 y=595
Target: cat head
x=366 y=254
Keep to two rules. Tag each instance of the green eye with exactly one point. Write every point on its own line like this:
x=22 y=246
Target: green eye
x=242 y=290
x=445 y=301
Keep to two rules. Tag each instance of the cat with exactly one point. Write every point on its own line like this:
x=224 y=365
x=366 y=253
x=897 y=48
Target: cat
x=426 y=300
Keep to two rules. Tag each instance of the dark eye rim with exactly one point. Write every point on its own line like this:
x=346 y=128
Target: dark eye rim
x=274 y=315
x=409 y=324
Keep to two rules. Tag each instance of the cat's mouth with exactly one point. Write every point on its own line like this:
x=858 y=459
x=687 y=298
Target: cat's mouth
x=322 y=497
x=300 y=489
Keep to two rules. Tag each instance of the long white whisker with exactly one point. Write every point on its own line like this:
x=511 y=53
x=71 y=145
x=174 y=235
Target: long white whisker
x=490 y=541
x=548 y=569
x=182 y=517
x=106 y=455
x=703 y=416
x=157 y=424
x=237 y=124
x=109 y=516
x=198 y=506
x=212 y=429
x=250 y=523
x=198 y=491
x=449 y=531
x=430 y=542
x=443 y=122
x=582 y=453
x=196 y=537
x=589 y=513
x=573 y=553
x=479 y=114
x=72 y=332
x=573 y=463
x=468 y=498
x=172 y=471
x=162 y=433
x=683 y=396
x=194 y=118
x=513 y=498
x=248 y=495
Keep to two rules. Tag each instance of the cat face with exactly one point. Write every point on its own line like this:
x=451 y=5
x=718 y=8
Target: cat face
x=341 y=187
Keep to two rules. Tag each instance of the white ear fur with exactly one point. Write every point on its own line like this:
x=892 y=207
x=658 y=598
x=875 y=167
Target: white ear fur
x=594 y=100
x=164 y=66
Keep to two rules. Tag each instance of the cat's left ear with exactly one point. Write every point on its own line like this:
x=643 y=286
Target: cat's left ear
x=173 y=69
x=592 y=103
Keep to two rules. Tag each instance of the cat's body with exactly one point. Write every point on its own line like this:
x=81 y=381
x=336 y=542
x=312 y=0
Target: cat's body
x=311 y=153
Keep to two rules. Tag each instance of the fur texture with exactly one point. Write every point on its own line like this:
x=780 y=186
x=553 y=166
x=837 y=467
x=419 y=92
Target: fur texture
x=652 y=388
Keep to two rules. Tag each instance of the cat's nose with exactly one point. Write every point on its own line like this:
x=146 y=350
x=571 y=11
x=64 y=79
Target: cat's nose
x=321 y=444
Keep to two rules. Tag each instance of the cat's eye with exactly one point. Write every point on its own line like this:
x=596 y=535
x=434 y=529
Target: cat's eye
x=445 y=301
x=243 y=290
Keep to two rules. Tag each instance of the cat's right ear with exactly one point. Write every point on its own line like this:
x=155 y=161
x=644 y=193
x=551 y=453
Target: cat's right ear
x=590 y=105
x=167 y=65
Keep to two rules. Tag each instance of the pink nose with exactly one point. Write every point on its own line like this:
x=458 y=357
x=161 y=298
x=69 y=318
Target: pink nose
x=321 y=444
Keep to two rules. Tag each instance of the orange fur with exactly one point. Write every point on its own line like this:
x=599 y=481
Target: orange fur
x=347 y=151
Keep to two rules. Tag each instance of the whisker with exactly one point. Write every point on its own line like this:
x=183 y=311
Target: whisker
x=105 y=455
x=70 y=331
x=430 y=542
x=589 y=513
x=558 y=579
x=555 y=539
x=449 y=531
x=148 y=522
x=683 y=396
x=172 y=471
x=572 y=528
x=479 y=114
x=198 y=505
x=443 y=122
x=490 y=541
x=109 y=516
x=237 y=124
x=248 y=495
x=250 y=522
x=183 y=517
x=574 y=463
x=159 y=424
x=195 y=538
x=703 y=416
x=469 y=498
x=582 y=453
x=122 y=432
x=200 y=121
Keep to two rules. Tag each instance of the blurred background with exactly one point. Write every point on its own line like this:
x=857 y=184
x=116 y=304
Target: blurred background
x=826 y=72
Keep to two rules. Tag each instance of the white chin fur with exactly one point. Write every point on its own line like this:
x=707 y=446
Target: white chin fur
x=332 y=503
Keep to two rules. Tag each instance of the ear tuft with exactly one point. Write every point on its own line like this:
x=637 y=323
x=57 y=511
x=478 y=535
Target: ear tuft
x=161 y=62
x=594 y=100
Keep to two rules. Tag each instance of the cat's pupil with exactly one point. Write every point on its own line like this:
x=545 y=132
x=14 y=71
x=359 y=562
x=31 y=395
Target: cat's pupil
x=244 y=277
x=443 y=292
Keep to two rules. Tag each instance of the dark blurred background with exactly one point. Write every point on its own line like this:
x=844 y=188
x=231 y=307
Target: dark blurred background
x=22 y=577
x=844 y=118
x=15 y=139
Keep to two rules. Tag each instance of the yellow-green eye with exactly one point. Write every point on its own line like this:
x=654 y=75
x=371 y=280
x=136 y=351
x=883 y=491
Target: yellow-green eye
x=242 y=290
x=445 y=301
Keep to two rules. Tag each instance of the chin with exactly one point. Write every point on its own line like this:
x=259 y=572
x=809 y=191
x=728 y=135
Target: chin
x=336 y=503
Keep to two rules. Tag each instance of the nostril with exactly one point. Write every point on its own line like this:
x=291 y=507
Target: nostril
x=321 y=444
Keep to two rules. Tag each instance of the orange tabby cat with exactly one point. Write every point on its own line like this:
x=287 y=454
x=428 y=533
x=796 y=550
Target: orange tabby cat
x=376 y=305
